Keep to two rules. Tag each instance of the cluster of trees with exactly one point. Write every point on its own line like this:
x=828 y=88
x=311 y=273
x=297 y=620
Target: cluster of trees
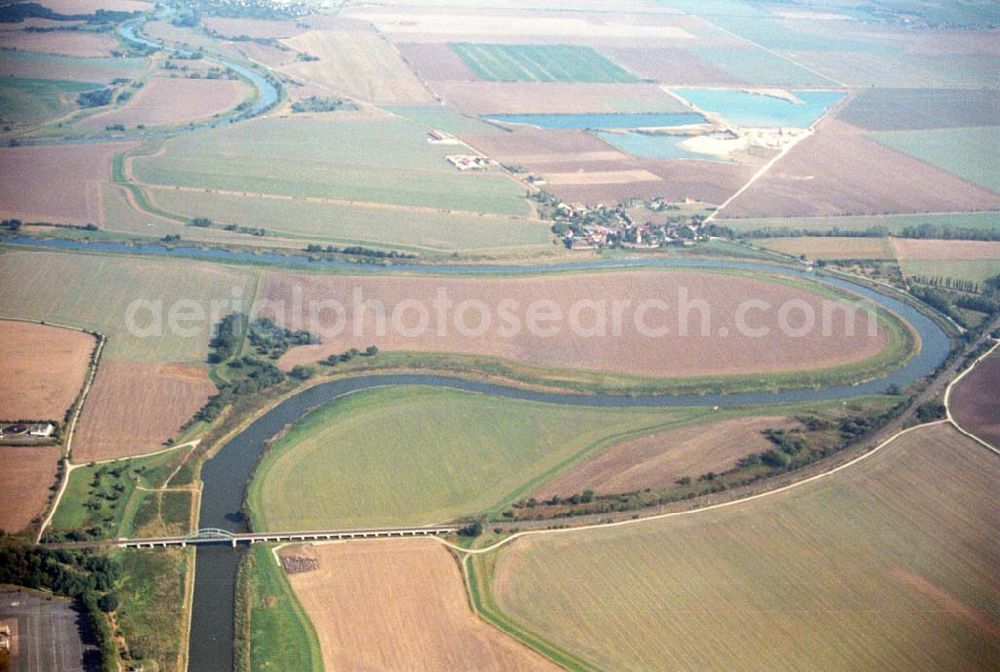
x=17 y=13
x=348 y=355
x=359 y=251
x=96 y=98
x=226 y=339
x=270 y=340
x=834 y=232
x=321 y=104
x=252 y=376
x=949 y=283
x=13 y=225
x=949 y=232
x=585 y=497
x=206 y=223
x=86 y=577
x=930 y=411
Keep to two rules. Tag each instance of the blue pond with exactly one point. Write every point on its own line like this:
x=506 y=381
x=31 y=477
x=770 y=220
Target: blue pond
x=752 y=110
x=649 y=120
x=652 y=146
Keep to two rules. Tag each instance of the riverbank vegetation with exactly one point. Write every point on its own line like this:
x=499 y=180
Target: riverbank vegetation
x=153 y=611
x=272 y=630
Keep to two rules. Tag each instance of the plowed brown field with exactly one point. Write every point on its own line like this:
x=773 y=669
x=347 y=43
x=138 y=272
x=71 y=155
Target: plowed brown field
x=133 y=408
x=399 y=605
x=44 y=369
x=839 y=171
x=658 y=460
x=172 y=101
x=28 y=192
x=65 y=43
x=27 y=475
x=973 y=400
x=578 y=299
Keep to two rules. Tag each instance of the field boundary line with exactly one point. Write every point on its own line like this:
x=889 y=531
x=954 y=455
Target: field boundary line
x=326 y=200
x=766 y=168
x=947 y=399
x=711 y=507
x=773 y=52
x=68 y=451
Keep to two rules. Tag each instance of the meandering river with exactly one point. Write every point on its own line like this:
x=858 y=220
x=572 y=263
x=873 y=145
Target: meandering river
x=226 y=475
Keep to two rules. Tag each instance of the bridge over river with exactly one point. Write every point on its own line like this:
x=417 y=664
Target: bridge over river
x=214 y=536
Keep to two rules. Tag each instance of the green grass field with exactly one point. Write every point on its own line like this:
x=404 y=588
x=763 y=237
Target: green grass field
x=417 y=231
x=281 y=637
x=442 y=118
x=760 y=68
x=969 y=153
x=890 y=223
x=105 y=496
x=94 y=292
x=35 y=65
x=152 y=612
x=35 y=101
x=539 y=63
x=886 y=565
x=377 y=160
x=410 y=456
x=975 y=270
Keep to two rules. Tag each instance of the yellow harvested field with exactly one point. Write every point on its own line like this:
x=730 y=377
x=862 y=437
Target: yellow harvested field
x=357 y=64
x=945 y=250
x=44 y=369
x=888 y=564
x=399 y=605
x=657 y=460
x=164 y=100
x=602 y=177
x=847 y=247
x=64 y=43
x=133 y=408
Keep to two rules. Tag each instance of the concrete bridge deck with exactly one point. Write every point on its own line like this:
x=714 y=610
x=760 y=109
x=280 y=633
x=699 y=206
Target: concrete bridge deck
x=207 y=537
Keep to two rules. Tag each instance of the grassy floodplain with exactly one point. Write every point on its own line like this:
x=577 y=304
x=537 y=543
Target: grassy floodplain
x=410 y=456
x=539 y=63
x=273 y=631
x=421 y=231
x=969 y=153
x=35 y=101
x=152 y=613
x=415 y=455
x=974 y=270
x=119 y=498
x=888 y=565
x=373 y=160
